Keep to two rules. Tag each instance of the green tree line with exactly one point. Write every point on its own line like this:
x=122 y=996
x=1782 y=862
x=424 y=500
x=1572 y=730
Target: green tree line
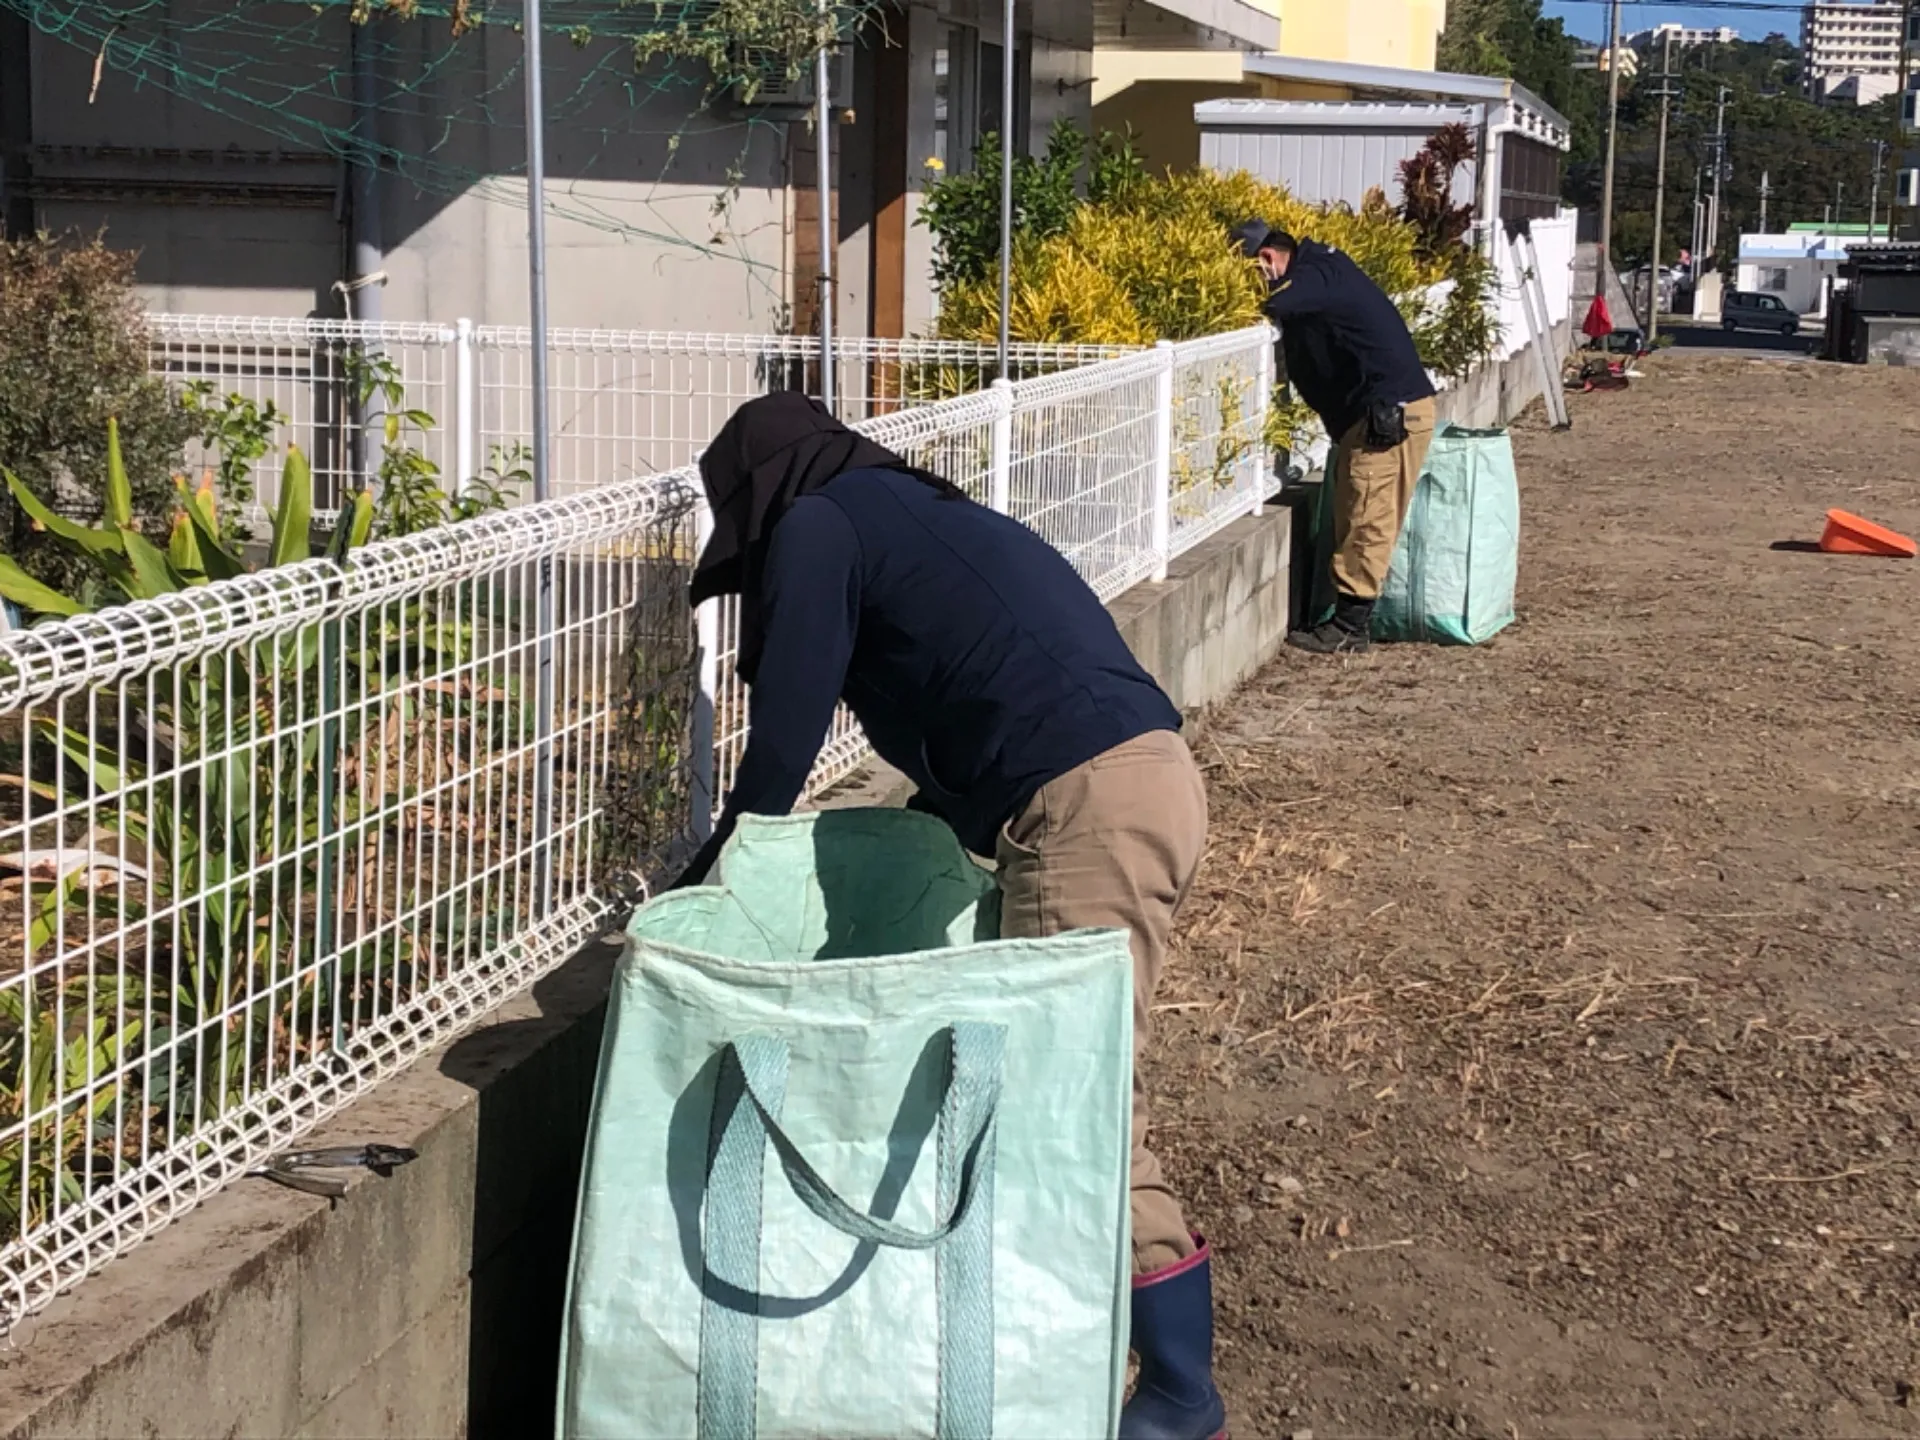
x=1816 y=161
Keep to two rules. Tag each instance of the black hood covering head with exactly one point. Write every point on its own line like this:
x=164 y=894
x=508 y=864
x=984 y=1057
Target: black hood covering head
x=772 y=451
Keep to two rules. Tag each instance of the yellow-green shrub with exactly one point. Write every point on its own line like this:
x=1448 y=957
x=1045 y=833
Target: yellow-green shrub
x=1154 y=259
x=1059 y=295
x=1182 y=278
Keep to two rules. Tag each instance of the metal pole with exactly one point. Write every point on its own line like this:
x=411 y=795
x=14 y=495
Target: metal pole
x=1900 y=120
x=823 y=154
x=1613 y=136
x=1765 y=190
x=542 y=488
x=1660 y=193
x=362 y=291
x=1694 y=264
x=1719 y=170
x=1006 y=181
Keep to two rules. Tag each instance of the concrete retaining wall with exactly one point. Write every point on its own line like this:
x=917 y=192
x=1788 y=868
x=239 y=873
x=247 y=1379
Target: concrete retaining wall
x=429 y=1302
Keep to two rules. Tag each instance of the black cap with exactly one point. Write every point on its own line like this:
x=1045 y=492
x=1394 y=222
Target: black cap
x=1257 y=235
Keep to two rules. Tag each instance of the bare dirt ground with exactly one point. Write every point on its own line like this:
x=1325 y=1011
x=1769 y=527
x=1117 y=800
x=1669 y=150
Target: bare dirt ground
x=1544 y=1058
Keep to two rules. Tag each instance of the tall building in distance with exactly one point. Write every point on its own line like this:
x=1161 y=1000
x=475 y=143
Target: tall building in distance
x=1684 y=37
x=1857 y=43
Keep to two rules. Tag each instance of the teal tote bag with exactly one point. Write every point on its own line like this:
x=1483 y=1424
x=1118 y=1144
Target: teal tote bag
x=1458 y=557
x=857 y=1168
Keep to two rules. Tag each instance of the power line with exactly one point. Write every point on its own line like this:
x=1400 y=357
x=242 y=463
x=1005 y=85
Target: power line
x=1703 y=5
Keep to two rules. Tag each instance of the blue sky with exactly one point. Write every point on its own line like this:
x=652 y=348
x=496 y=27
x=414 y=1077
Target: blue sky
x=1588 y=19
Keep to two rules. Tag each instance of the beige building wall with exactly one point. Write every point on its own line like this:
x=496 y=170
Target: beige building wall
x=1153 y=92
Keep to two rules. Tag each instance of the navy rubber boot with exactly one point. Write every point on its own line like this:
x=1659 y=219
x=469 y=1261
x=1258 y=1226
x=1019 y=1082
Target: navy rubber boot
x=1173 y=1336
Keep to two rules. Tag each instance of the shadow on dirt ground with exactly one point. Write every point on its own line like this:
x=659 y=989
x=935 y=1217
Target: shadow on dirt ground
x=1543 y=1056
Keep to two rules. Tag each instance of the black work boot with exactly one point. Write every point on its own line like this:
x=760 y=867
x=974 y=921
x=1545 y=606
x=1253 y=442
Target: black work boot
x=1175 y=1398
x=1344 y=634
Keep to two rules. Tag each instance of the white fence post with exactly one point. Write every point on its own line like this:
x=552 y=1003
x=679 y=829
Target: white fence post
x=1000 y=472
x=464 y=468
x=1262 y=408
x=1160 y=539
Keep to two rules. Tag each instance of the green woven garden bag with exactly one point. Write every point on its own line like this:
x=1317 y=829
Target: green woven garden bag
x=854 y=1171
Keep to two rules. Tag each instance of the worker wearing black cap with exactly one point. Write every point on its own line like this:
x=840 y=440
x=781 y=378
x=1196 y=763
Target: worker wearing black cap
x=1350 y=357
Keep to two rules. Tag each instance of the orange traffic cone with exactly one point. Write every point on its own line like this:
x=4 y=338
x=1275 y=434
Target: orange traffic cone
x=1850 y=535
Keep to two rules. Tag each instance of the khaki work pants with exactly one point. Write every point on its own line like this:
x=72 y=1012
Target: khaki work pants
x=1371 y=492
x=1113 y=845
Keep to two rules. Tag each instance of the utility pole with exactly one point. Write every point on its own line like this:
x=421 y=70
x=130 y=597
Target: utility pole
x=1660 y=193
x=1873 y=204
x=1719 y=170
x=1697 y=236
x=1765 y=190
x=1900 y=90
x=1613 y=135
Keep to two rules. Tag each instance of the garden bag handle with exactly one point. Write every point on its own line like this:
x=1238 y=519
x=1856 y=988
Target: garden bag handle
x=754 y=1070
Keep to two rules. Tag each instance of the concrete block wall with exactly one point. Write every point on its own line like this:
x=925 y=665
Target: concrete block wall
x=429 y=1302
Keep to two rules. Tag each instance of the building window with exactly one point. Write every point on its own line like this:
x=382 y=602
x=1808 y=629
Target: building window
x=966 y=96
x=1773 y=277
x=990 y=96
x=956 y=116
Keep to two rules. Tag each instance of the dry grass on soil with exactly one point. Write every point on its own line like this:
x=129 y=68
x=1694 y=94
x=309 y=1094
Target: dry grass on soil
x=1544 y=1056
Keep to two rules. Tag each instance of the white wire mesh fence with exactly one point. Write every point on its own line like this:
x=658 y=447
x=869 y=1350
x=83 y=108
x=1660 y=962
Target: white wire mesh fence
x=1119 y=465
x=265 y=841
x=268 y=839
x=624 y=403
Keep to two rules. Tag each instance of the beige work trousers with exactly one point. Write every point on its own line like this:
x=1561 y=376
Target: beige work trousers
x=1114 y=844
x=1371 y=492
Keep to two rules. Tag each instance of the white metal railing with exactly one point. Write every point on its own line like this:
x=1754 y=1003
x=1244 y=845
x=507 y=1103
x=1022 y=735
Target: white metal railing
x=624 y=403
x=265 y=841
x=1120 y=466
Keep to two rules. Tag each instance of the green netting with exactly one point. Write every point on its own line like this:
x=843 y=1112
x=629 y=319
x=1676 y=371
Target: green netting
x=617 y=74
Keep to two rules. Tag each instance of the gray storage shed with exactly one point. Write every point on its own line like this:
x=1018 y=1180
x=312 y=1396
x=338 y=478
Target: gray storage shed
x=1330 y=151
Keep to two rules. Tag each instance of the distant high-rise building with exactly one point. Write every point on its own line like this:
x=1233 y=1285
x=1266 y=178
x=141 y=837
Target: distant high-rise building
x=1842 y=40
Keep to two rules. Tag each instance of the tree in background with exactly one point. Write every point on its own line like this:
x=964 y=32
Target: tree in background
x=1514 y=40
x=1815 y=159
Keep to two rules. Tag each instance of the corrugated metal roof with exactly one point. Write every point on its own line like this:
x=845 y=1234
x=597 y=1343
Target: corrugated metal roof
x=1334 y=114
x=1444 y=84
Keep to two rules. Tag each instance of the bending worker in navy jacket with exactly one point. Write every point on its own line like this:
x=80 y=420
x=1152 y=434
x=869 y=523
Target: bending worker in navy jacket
x=980 y=664
x=1350 y=357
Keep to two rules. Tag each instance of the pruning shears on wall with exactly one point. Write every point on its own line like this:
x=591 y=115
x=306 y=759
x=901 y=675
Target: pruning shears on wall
x=291 y=1169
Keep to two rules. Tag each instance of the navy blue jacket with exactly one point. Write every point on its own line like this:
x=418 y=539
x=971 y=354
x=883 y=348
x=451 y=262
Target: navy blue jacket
x=1344 y=343
x=975 y=658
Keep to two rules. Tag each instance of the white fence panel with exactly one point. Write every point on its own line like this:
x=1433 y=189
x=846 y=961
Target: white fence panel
x=265 y=841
